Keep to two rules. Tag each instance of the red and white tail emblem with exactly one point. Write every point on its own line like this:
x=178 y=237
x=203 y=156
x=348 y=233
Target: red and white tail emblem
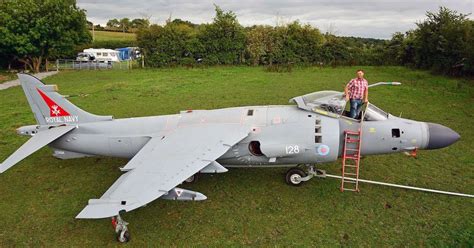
x=54 y=109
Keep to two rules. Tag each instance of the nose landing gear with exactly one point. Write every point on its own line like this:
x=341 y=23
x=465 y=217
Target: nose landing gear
x=297 y=175
x=120 y=228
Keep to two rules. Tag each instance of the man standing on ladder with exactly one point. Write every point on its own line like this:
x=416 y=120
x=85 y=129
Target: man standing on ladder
x=357 y=91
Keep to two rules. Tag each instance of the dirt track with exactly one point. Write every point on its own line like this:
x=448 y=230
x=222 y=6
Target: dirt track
x=16 y=82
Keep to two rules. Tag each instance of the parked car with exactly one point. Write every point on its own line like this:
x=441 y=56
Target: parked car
x=85 y=57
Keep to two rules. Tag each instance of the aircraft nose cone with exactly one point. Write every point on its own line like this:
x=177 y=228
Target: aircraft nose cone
x=441 y=136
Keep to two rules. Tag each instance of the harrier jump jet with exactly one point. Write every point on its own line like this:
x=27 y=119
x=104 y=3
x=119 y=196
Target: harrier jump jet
x=166 y=150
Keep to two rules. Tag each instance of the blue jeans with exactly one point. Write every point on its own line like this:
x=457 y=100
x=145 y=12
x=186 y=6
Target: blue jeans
x=356 y=105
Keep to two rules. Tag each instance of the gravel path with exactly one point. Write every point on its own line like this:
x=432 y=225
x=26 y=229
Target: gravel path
x=16 y=82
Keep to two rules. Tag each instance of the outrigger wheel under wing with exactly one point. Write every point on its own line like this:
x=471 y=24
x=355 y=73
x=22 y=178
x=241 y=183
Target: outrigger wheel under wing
x=162 y=164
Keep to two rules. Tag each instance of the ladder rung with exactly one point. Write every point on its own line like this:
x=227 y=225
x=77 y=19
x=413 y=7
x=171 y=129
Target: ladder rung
x=352 y=140
x=350 y=165
x=352 y=132
x=349 y=181
x=350 y=149
x=350 y=174
x=352 y=157
x=349 y=189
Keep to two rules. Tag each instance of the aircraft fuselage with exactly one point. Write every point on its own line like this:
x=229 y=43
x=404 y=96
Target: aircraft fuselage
x=280 y=135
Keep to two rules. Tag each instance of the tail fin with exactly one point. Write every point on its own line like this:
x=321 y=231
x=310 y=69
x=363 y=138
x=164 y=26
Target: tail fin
x=49 y=107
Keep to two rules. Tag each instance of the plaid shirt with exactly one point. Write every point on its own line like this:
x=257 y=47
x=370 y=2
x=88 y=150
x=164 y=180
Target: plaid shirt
x=357 y=88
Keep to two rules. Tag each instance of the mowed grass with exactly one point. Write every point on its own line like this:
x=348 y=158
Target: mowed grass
x=40 y=197
x=113 y=36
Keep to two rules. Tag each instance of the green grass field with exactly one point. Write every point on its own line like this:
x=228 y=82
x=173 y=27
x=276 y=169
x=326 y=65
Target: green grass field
x=40 y=197
x=113 y=36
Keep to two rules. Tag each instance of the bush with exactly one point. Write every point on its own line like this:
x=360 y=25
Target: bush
x=442 y=43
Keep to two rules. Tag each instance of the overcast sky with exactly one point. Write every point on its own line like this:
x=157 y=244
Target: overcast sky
x=371 y=18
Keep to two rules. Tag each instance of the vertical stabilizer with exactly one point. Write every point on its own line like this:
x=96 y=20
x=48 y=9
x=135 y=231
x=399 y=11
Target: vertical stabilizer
x=51 y=108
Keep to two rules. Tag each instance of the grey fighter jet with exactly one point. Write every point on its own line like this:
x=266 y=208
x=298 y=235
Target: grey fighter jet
x=165 y=151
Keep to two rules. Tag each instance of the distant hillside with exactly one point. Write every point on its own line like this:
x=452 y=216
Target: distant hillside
x=113 y=36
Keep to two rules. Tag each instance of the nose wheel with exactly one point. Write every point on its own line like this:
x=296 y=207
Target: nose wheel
x=296 y=176
x=120 y=228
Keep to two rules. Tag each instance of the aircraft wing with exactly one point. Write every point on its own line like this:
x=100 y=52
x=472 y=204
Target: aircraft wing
x=35 y=143
x=162 y=164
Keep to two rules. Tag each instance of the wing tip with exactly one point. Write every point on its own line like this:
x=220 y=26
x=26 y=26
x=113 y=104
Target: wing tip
x=99 y=211
x=3 y=168
x=200 y=197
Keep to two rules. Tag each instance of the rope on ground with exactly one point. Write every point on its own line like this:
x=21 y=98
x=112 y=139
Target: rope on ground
x=404 y=186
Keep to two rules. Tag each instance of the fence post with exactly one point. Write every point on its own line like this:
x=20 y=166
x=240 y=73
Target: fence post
x=57 y=64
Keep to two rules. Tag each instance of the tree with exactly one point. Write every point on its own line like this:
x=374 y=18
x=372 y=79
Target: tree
x=296 y=43
x=334 y=52
x=260 y=43
x=90 y=24
x=32 y=30
x=394 y=50
x=139 y=23
x=441 y=39
x=223 y=40
x=179 y=21
x=174 y=43
x=468 y=51
x=113 y=23
x=124 y=24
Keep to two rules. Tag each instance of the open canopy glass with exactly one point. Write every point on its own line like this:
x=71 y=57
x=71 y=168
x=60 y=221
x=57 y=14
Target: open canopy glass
x=333 y=103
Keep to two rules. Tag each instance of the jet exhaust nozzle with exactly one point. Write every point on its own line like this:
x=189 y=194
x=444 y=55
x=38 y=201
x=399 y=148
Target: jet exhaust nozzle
x=440 y=136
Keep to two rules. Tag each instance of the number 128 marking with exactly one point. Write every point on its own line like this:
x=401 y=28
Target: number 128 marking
x=292 y=149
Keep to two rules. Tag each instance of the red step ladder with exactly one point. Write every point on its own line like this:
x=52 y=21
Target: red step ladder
x=351 y=160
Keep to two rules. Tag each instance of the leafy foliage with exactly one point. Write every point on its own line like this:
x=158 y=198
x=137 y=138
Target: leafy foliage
x=34 y=31
x=124 y=24
x=223 y=40
x=226 y=42
x=171 y=44
x=443 y=43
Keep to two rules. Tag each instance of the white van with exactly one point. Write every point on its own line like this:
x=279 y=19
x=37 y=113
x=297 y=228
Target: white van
x=102 y=54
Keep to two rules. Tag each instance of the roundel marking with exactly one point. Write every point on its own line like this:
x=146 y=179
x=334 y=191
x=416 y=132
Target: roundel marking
x=323 y=150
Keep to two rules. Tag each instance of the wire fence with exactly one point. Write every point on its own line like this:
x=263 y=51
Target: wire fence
x=71 y=64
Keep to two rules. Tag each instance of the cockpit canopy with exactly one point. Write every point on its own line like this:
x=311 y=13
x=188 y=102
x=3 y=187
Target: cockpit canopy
x=332 y=103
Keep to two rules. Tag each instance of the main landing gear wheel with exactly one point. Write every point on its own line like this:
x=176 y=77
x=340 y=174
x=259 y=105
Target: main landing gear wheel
x=294 y=175
x=123 y=237
x=192 y=179
x=121 y=230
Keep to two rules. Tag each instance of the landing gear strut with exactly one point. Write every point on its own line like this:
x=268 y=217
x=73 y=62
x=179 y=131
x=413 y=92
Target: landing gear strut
x=121 y=230
x=297 y=175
